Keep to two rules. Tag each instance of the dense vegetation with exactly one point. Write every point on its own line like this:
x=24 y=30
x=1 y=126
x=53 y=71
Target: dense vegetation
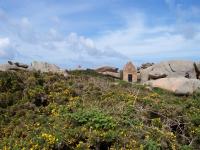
x=90 y=111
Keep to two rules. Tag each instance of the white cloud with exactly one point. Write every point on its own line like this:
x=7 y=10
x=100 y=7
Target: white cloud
x=6 y=50
x=40 y=37
x=4 y=42
x=187 y=18
x=136 y=40
x=62 y=49
x=139 y=40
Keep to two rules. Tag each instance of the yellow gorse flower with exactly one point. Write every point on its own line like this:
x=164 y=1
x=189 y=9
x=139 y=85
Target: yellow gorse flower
x=49 y=138
x=6 y=148
x=54 y=112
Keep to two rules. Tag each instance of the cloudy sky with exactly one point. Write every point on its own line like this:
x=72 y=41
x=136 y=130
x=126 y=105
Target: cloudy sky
x=91 y=33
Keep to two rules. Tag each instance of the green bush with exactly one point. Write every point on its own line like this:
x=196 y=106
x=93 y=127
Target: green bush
x=151 y=145
x=88 y=110
x=93 y=118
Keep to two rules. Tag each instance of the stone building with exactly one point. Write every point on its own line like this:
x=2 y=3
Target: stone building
x=130 y=72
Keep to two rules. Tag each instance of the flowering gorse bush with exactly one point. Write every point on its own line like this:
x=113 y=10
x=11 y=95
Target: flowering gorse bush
x=44 y=111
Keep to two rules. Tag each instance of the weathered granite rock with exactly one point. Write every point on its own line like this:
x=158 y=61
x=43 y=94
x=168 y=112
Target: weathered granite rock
x=157 y=75
x=138 y=77
x=146 y=65
x=107 y=69
x=10 y=62
x=112 y=74
x=13 y=66
x=38 y=66
x=174 y=68
x=5 y=67
x=144 y=74
x=197 y=67
x=110 y=71
x=46 y=67
x=178 y=85
x=21 y=65
x=183 y=68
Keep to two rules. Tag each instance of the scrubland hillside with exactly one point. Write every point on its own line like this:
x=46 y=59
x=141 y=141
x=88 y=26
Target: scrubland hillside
x=91 y=111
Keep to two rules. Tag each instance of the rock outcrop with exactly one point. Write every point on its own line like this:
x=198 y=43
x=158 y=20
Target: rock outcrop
x=46 y=67
x=179 y=85
x=37 y=66
x=112 y=74
x=146 y=65
x=144 y=74
x=110 y=71
x=106 y=69
x=21 y=65
x=13 y=66
x=197 y=67
x=173 y=68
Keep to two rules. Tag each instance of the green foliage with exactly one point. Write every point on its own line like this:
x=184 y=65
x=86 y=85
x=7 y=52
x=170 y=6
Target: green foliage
x=151 y=145
x=90 y=111
x=93 y=118
x=156 y=122
x=87 y=72
x=10 y=82
x=186 y=147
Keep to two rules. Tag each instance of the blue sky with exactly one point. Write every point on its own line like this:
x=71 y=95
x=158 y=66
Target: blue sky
x=92 y=33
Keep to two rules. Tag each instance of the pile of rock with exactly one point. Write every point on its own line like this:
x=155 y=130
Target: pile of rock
x=36 y=66
x=179 y=86
x=180 y=77
x=13 y=66
x=145 y=66
x=169 y=69
x=46 y=67
x=142 y=67
x=110 y=71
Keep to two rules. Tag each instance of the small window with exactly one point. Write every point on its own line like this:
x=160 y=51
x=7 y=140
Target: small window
x=130 y=78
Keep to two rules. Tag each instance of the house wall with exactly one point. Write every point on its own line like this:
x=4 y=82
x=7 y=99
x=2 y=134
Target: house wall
x=134 y=75
x=129 y=68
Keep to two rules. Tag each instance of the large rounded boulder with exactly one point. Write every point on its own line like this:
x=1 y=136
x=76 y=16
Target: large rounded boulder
x=46 y=67
x=179 y=86
x=174 y=68
x=106 y=69
x=13 y=66
x=110 y=71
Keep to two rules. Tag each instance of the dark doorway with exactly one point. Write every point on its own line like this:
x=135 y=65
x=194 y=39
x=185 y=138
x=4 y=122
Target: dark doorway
x=130 y=78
